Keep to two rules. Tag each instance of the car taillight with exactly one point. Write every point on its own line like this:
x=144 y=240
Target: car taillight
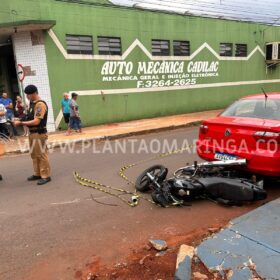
x=266 y=136
x=203 y=129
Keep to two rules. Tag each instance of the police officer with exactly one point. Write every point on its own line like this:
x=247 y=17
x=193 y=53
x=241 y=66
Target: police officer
x=36 y=121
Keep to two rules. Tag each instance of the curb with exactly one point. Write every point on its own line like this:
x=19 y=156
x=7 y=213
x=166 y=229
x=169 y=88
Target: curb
x=57 y=144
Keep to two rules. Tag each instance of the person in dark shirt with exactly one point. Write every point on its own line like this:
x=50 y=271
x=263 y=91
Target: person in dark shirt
x=75 y=120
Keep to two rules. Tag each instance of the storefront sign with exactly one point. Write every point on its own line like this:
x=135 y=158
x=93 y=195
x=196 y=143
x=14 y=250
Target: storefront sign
x=159 y=73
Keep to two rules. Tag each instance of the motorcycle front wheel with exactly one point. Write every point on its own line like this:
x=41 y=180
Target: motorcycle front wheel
x=143 y=182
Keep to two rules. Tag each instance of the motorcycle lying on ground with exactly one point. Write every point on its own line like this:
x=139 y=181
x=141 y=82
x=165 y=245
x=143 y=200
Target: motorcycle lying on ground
x=215 y=180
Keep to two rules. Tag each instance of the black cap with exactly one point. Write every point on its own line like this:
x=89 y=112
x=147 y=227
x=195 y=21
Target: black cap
x=74 y=94
x=30 y=89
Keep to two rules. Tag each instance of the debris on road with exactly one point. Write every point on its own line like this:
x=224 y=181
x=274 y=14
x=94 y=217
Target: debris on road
x=161 y=254
x=159 y=245
x=184 y=262
x=150 y=266
x=120 y=265
x=148 y=247
x=91 y=276
x=141 y=262
x=214 y=229
x=199 y=276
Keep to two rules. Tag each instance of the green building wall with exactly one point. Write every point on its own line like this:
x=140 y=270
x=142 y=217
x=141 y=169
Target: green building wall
x=235 y=77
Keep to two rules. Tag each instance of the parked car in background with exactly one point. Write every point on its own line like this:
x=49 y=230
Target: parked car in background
x=247 y=129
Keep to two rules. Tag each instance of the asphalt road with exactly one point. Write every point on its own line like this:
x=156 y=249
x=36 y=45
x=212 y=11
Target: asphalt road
x=53 y=231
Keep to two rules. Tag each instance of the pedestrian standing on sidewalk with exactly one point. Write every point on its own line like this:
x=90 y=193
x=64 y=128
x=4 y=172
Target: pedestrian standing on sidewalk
x=36 y=121
x=20 y=112
x=75 y=120
x=8 y=103
x=65 y=106
x=3 y=122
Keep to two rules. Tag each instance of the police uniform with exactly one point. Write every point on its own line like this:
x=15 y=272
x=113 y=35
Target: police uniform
x=38 y=138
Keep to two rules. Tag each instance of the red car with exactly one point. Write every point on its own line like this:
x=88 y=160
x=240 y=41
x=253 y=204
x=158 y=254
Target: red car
x=248 y=129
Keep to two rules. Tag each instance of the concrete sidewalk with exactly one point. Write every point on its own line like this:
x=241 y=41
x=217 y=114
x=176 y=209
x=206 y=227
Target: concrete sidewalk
x=116 y=130
x=249 y=248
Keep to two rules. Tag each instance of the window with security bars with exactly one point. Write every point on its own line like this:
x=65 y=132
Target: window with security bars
x=79 y=44
x=160 y=47
x=109 y=45
x=181 y=48
x=241 y=50
x=225 y=49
